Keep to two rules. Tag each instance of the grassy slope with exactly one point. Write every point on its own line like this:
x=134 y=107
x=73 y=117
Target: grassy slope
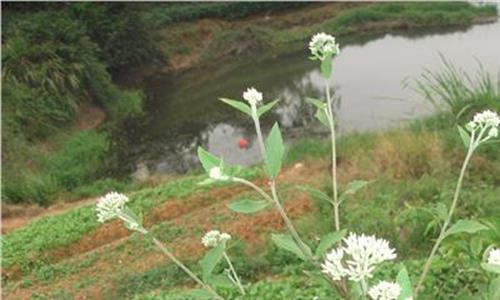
x=422 y=171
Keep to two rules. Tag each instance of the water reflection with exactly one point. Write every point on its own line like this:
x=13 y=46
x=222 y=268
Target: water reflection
x=183 y=112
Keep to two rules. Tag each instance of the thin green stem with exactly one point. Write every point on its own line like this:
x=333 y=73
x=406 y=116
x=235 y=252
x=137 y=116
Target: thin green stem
x=303 y=247
x=169 y=254
x=364 y=288
x=235 y=275
x=260 y=139
x=444 y=228
x=331 y=122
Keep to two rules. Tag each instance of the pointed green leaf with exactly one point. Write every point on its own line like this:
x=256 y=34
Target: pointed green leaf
x=246 y=206
x=315 y=193
x=326 y=67
x=208 y=160
x=266 y=107
x=220 y=280
x=210 y=260
x=274 y=151
x=322 y=117
x=317 y=103
x=464 y=135
x=476 y=245
x=403 y=279
x=353 y=187
x=465 y=226
x=287 y=243
x=328 y=241
x=239 y=105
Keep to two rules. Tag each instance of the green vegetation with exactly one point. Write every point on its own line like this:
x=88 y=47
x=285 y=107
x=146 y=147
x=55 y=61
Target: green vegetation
x=409 y=168
x=178 y=12
x=55 y=60
x=455 y=90
x=287 y=34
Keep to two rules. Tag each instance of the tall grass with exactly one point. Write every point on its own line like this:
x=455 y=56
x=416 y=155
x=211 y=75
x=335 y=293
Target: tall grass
x=460 y=92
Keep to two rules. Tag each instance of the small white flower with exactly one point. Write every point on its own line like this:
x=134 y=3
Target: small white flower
x=494 y=257
x=471 y=126
x=216 y=174
x=487 y=118
x=252 y=96
x=493 y=132
x=109 y=205
x=358 y=258
x=214 y=237
x=333 y=264
x=385 y=290
x=323 y=44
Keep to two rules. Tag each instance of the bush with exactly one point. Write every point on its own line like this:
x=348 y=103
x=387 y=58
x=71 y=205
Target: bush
x=124 y=36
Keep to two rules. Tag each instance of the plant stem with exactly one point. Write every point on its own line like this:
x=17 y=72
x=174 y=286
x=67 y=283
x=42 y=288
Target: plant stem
x=289 y=225
x=165 y=250
x=364 y=288
x=238 y=282
x=260 y=140
x=442 y=234
x=336 y=204
x=275 y=199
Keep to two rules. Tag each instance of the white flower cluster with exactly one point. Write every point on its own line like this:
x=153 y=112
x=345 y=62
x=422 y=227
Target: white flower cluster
x=110 y=205
x=494 y=257
x=214 y=237
x=385 y=290
x=322 y=45
x=486 y=121
x=253 y=96
x=357 y=258
x=217 y=174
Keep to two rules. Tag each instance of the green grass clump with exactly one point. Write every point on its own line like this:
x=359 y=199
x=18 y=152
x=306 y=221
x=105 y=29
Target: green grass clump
x=77 y=163
x=459 y=92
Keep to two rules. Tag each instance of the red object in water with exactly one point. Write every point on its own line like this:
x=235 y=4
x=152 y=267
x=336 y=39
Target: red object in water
x=243 y=143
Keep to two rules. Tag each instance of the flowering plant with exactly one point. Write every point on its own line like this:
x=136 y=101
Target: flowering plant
x=347 y=263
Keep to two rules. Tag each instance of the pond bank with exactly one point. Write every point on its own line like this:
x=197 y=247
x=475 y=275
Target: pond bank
x=208 y=42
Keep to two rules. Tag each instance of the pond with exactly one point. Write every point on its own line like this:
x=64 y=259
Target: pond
x=183 y=112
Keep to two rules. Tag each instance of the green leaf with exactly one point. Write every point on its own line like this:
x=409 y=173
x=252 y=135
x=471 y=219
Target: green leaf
x=353 y=187
x=238 y=105
x=317 y=103
x=315 y=193
x=465 y=226
x=208 y=160
x=326 y=67
x=265 y=108
x=476 y=245
x=286 y=242
x=274 y=151
x=491 y=268
x=221 y=280
x=322 y=117
x=464 y=135
x=246 y=206
x=200 y=294
x=328 y=241
x=403 y=279
x=210 y=260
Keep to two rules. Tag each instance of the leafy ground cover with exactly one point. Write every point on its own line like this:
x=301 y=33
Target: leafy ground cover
x=70 y=255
